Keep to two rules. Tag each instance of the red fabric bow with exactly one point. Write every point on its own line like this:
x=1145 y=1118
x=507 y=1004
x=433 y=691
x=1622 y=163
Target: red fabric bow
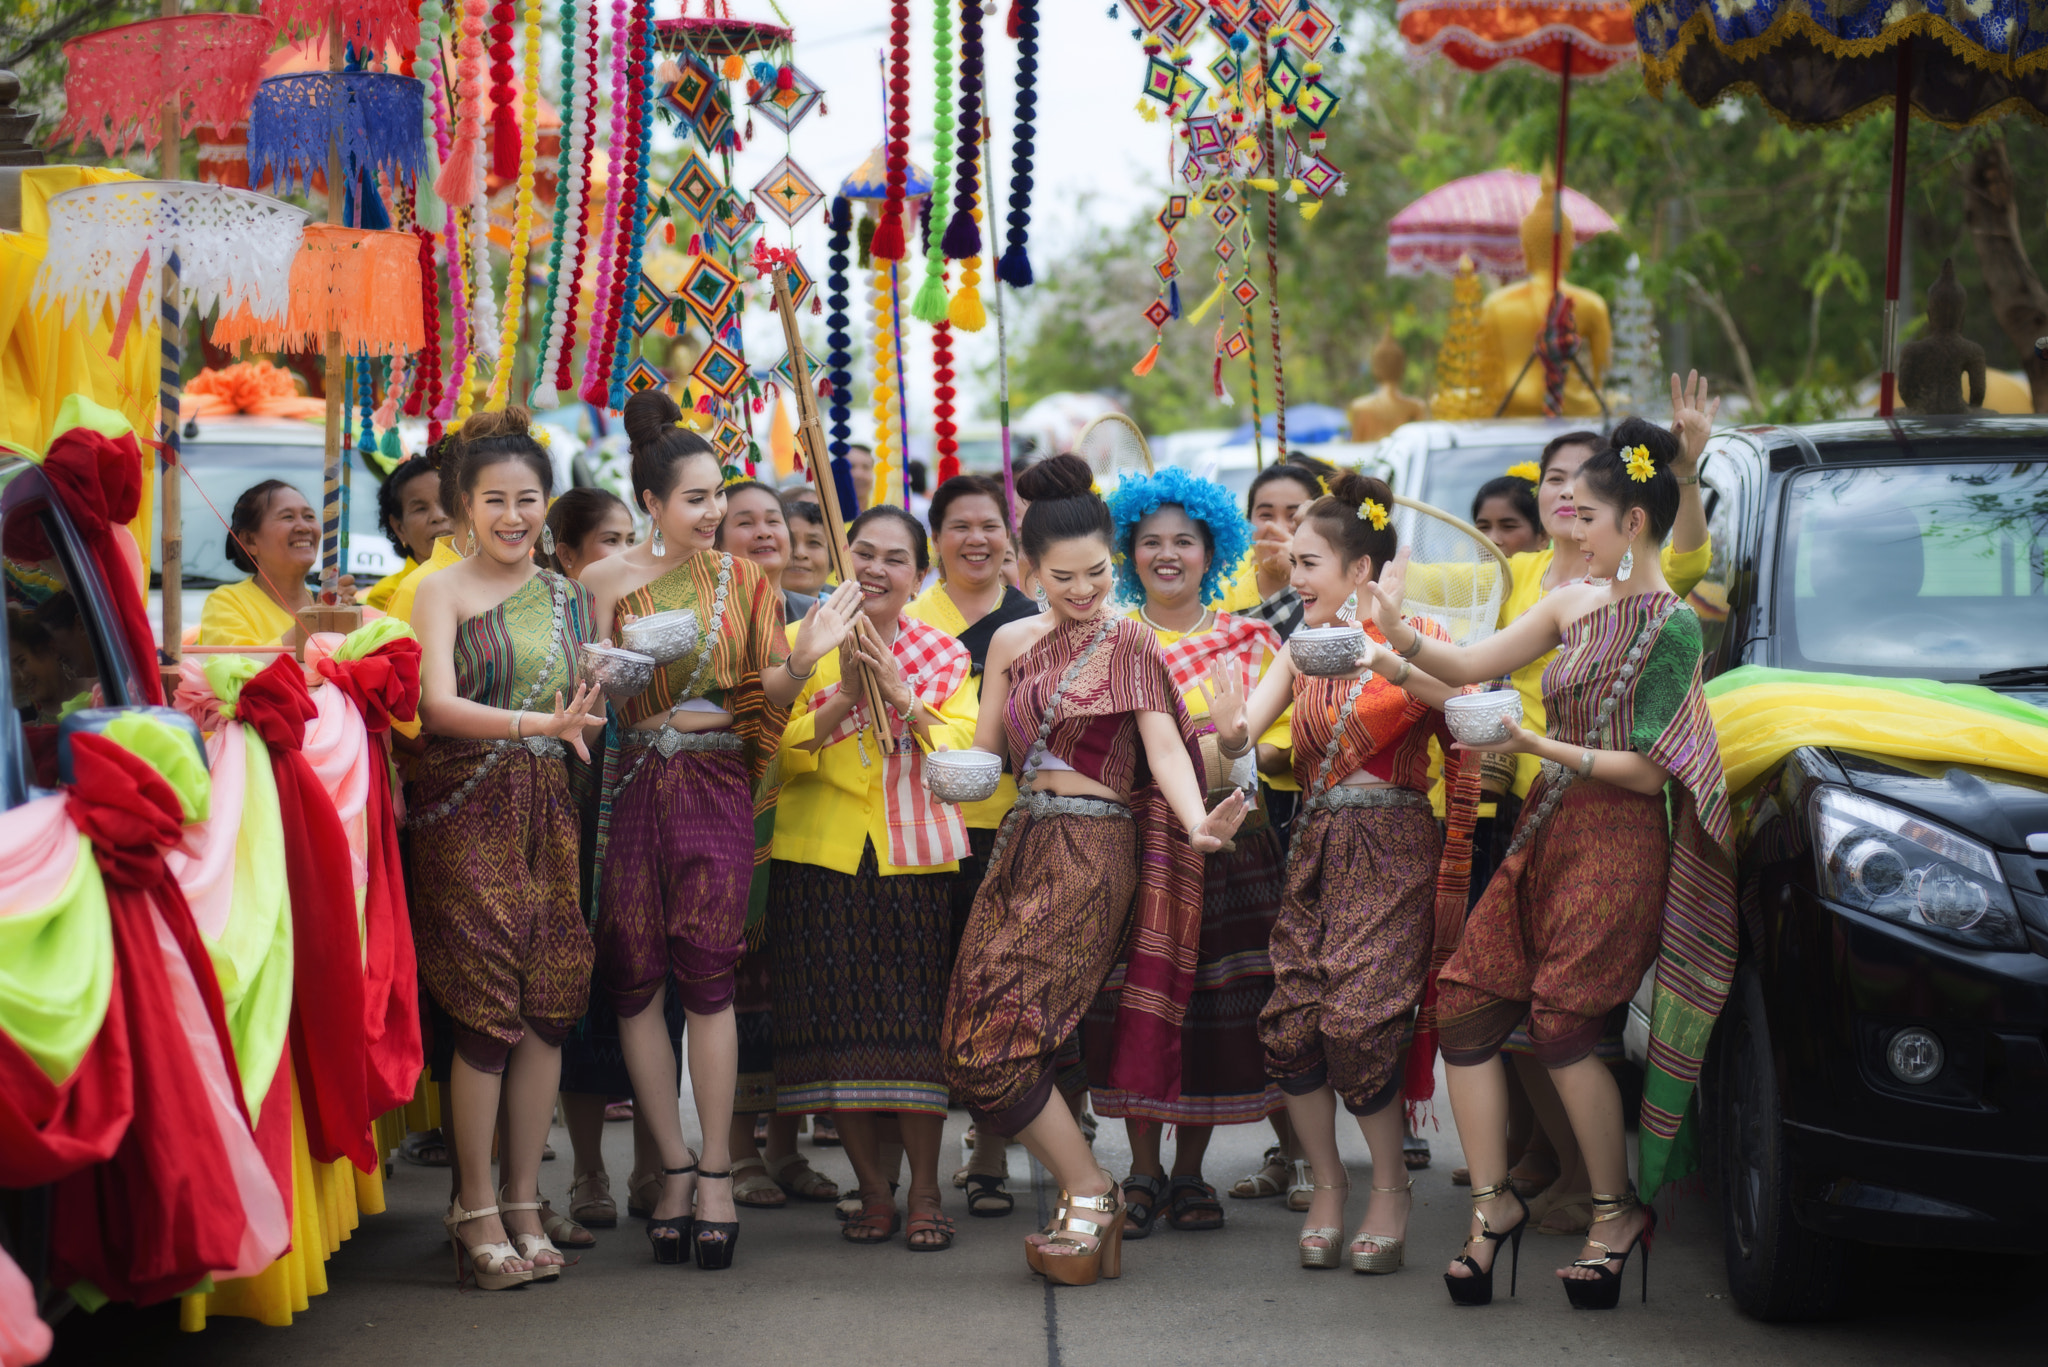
x=99 y=481
x=384 y=685
x=163 y=1211
x=327 y=953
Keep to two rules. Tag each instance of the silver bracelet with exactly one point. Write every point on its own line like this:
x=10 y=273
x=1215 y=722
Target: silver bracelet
x=1401 y=679
x=1585 y=764
x=1228 y=753
x=518 y=718
x=1414 y=647
x=796 y=677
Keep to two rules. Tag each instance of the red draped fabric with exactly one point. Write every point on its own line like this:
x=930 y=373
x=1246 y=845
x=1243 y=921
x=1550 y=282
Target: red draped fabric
x=49 y=1130
x=163 y=1211
x=383 y=685
x=328 y=1046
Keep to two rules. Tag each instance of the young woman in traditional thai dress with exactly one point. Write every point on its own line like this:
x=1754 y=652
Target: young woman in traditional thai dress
x=1365 y=873
x=677 y=850
x=971 y=535
x=1576 y=912
x=501 y=939
x=1109 y=813
x=1176 y=536
x=859 y=907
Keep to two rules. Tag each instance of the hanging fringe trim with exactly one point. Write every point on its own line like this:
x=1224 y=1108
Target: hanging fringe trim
x=376 y=116
x=362 y=284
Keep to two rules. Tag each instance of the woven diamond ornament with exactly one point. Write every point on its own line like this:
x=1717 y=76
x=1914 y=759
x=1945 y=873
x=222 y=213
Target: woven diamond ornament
x=1192 y=171
x=788 y=192
x=650 y=302
x=786 y=372
x=1318 y=176
x=1314 y=103
x=1188 y=91
x=801 y=286
x=720 y=370
x=714 y=125
x=1225 y=69
x=1165 y=268
x=1224 y=214
x=1232 y=12
x=1225 y=247
x=1283 y=76
x=730 y=438
x=694 y=187
x=707 y=288
x=1245 y=292
x=687 y=98
x=788 y=108
x=1160 y=78
x=732 y=223
x=643 y=377
x=1157 y=313
x=1311 y=26
x=1205 y=135
x=1237 y=345
x=1152 y=15
x=1182 y=23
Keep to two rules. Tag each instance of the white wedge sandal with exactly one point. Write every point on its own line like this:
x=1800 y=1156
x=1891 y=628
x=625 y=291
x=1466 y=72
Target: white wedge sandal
x=486 y=1261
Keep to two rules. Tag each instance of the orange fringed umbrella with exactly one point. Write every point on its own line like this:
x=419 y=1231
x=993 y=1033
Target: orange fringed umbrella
x=358 y=282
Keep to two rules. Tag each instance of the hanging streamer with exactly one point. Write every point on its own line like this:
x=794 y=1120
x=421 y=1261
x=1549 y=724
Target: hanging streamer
x=1015 y=267
x=603 y=318
x=888 y=244
x=522 y=215
x=930 y=303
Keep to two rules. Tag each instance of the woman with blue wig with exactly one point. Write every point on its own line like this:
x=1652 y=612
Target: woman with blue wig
x=1177 y=539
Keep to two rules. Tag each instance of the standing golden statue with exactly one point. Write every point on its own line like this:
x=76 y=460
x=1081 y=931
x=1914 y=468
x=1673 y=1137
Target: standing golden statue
x=1513 y=317
x=1386 y=408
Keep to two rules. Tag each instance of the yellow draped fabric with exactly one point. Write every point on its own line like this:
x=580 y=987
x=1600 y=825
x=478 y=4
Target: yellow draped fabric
x=42 y=361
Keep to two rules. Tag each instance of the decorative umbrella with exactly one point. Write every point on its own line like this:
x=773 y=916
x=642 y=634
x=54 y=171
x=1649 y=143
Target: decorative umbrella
x=1563 y=37
x=118 y=82
x=1822 y=66
x=1478 y=217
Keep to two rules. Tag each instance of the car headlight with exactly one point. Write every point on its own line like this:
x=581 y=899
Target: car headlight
x=1891 y=863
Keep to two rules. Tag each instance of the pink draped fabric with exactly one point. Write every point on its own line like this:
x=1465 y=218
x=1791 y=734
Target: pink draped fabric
x=337 y=746
x=38 y=856
x=24 y=1338
x=204 y=863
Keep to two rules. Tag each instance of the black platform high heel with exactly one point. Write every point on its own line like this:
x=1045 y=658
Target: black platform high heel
x=672 y=1250
x=716 y=1240
x=1477 y=1289
x=1603 y=1290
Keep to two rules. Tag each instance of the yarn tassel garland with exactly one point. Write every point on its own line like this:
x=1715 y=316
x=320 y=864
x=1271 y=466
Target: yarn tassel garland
x=889 y=243
x=929 y=305
x=460 y=174
x=1014 y=269
x=1147 y=361
x=963 y=233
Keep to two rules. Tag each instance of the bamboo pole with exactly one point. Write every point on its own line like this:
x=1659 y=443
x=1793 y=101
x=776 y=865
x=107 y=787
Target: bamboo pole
x=810 y=435
x=330 y=493
x=170 y=496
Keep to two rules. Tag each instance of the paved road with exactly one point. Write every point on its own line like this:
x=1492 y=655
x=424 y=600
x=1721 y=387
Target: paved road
x=800 y=1295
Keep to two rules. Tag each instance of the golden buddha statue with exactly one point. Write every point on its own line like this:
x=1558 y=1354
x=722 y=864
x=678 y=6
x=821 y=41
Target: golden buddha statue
x=1386 y=408
x=1511 y=322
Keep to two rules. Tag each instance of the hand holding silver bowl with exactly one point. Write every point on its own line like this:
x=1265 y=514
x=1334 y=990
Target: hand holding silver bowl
x=1327 y=652
x=663 y=637
x=1483 y=718
x=963 y=775
x=620 y=673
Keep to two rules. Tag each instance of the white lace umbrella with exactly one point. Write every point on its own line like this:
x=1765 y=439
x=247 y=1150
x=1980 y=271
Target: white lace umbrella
x=138 y=247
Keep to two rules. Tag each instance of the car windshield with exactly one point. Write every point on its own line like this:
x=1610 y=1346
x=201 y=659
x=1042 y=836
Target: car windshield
x=1452 y=475
x=223 y=470
x=1931 y=571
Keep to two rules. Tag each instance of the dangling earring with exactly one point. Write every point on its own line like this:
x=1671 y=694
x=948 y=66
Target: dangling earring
x=658 y=547
x=1349 y=612
x=1038 y=590
x=547 y=539
x=1628 y=564
x=471 y=549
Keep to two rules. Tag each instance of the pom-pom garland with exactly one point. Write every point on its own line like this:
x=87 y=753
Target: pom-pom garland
x=930 y=304
x=626 y=283
x=565 y=250
x=838 y=342
x=505 y=140
x=883 y=401
x=889 y=239
x=597 y=356
x=522 y=213
x=425 y=66
x=963 y=233
x=1014 y=269
x=460 y=174
x=426 y=384
x=945 y=434
x=451 y=250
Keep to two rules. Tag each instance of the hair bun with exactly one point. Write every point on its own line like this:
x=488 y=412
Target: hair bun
x=1351 y=488
x=648 y=415
x=512 y=420
x=1062 y=476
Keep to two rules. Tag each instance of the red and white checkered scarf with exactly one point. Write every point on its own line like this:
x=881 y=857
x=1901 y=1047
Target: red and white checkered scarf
x=1245 y=638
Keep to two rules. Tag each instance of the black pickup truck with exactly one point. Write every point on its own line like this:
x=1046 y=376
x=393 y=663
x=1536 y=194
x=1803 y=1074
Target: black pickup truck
x=1880 y=1072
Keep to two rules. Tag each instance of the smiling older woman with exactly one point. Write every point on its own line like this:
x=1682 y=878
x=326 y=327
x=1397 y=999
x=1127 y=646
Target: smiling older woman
x=273 y=534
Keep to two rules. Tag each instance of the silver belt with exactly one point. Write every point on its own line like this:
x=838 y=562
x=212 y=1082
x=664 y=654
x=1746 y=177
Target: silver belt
x=1056 y=804
x=670 y=741
x=1353 y=795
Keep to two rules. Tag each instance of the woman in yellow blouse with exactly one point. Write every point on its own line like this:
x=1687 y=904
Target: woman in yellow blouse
x=859 y=902
x=273 y=537
x=409 y=509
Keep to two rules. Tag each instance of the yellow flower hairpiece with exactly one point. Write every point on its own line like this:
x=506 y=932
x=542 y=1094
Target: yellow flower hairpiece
x=1527 y=469
x=1095 y=487
x=1640 y=466
x=693 y=421
x=1371 y=511
x=540 y=433
x=1324 y=485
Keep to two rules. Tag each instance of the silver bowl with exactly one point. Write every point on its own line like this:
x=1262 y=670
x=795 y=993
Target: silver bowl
x=620 y=673
x=1483 y=718
x=963 y=775
x=663 y=637
x=1327 y=651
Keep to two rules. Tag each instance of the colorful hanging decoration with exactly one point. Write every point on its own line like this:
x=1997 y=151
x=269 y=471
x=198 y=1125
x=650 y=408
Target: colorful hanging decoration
x=632 y=214
x=962 y=241
x=1014 y=269
x=788 y=100
x=930 y=303
x=788 y=192
x=572 y=221
x=838 y=341
x=360 y=284
x=522 y=219
x=295 y=118
x=618 y=196
x=889 y=240
x=118 y=81
x=873 y=183
x=365 y=24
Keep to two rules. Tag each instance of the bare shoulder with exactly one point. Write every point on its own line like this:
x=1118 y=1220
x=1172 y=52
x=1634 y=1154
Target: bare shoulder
x=1014 y=638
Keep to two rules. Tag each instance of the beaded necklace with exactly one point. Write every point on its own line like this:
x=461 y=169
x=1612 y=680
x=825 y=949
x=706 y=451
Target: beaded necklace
x=522 y=215
x=542 y=746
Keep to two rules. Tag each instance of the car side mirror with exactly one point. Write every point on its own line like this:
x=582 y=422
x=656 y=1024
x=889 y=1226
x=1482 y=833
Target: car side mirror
x=96 y=719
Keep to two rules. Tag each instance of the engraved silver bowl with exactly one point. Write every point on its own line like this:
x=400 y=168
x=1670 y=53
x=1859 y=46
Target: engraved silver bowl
x=663 y=637
x=620 y=673
x=1483 y=718
x=963 y=775
x=1327 y=651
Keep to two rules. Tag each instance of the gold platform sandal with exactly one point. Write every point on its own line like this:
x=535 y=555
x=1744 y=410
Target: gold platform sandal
x=486 y=1261
x=1032 y=1257
x=1085 y=1265
x=1603 y=1291
x=1328 y=1254
x=1378 y=1254
x=1477 y=1289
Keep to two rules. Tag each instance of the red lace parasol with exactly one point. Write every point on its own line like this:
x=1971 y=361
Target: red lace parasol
x=1480 y=217
x=118 y=80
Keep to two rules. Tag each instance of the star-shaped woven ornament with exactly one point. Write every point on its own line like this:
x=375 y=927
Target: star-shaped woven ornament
x=788 y=192
x=650 y=302
x=707 y=288
x=732 y=223
x=714 y=125
x=643 y=377
x=1245 y=292
x=1318 y=176
x=1311 y=26
x=1314 y=103
x=785 y=370
x=721 y=370
x=1157 y=313
x=694 y=188
x=1237 y=345
x=1160 y=78
x=688 y=96
x=788 y=108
